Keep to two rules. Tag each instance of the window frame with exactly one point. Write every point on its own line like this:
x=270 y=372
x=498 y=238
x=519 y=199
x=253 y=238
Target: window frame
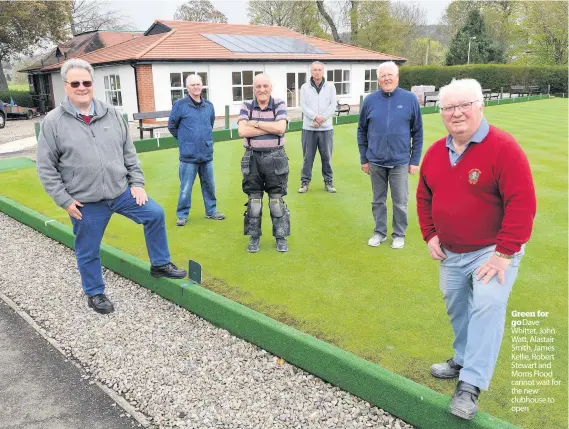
x=342 y=82
x=242 y=85
x=370 y=81
x=183 y=75
x=109 y=90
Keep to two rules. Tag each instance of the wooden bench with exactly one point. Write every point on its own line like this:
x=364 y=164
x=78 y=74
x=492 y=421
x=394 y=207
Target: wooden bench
x=518 y=89
x=488 y=95
x=150 y=127
x=532 y=90
x=431 y=97
x=342 y=108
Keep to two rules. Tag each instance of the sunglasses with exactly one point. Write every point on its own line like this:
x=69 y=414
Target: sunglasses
x=76 y=84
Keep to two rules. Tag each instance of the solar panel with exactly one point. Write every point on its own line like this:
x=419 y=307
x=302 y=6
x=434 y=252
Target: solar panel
x=263 y=44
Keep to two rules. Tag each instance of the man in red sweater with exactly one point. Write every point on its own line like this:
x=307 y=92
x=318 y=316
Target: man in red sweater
x=476 y=205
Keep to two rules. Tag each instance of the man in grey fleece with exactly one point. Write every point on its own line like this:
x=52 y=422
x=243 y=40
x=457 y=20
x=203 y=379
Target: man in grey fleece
x=318 y=102
x=87 y=163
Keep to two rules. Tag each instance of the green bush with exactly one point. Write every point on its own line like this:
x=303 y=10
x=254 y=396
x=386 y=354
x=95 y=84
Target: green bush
x=21 y=98
x=491 y=76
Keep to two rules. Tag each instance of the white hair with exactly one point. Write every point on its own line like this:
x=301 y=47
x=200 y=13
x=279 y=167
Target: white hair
x=463 y=86
x=262 y=76
x=316 y=62
x=387 y=64
x=193 y=75
x=76 y=63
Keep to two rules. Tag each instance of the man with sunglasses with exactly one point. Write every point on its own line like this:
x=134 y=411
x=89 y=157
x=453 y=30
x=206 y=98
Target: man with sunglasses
x=88 y=164
x=476 y=205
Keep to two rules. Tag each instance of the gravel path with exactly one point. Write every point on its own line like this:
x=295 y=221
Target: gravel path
x=171 y=365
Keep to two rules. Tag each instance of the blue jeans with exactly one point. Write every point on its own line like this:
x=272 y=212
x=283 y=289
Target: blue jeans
x=477 y=311
x=188 y=172
x=397 y=180
x=89 y=234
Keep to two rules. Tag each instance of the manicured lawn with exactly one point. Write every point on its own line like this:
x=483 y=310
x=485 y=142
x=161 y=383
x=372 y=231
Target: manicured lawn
x=382 y=304
x=18 y=87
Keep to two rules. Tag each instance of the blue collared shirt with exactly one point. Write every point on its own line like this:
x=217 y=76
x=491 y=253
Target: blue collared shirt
x=91 y=109
x=478 y=136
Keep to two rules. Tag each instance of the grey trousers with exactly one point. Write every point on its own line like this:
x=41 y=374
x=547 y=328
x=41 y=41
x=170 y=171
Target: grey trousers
x=397 y=180
x=324 y=142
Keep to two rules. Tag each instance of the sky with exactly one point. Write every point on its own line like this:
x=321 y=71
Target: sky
x=142 y=13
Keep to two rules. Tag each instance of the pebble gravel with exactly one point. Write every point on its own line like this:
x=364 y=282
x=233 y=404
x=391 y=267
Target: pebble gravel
x=174 y=367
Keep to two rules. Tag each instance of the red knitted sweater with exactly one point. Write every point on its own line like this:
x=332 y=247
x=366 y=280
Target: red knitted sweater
x=487 y=198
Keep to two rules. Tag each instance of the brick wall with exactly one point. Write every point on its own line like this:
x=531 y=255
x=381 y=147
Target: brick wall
x=145 y=88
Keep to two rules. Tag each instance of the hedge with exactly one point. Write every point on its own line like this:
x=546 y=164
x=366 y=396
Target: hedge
x=21 y=98
x=491 y=76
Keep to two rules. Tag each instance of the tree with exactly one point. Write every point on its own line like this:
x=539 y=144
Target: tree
x=25 y=26
x=89 y=15
x=483 y=49
x=329 y=20
x=389 y=27
x=544 y=37
x=301 y=16
x=425 y=51
x=199 y=11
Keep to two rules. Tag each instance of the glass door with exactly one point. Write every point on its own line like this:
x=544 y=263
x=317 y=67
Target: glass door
x=293 y=83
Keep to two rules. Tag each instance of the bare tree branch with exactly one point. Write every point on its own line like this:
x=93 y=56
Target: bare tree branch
x=329 y=20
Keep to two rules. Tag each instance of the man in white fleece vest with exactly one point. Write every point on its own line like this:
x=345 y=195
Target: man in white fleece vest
x=318 y=101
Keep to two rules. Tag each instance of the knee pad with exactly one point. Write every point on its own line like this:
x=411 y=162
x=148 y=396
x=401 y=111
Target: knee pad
x=255 y=207
x=252 y=218
x=277 y=207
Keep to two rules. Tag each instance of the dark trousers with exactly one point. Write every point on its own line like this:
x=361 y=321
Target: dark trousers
x=324 y=142
x=265 y=172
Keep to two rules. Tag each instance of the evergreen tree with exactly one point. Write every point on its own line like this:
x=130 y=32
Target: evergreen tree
x=483 y=49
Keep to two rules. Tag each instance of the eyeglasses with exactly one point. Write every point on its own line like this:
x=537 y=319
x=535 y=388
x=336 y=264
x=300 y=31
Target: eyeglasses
x=462 y=107
x=385 y=76
x=76 y=83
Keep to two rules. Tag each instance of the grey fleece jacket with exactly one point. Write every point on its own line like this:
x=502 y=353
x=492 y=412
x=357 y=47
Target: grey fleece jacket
x=314 y=104
x=87 y=163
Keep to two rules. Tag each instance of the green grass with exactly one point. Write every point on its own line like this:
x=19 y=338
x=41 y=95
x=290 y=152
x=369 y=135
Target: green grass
x=18 y=87
x=381 y=304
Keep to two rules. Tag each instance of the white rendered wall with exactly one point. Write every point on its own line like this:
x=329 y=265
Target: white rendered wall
x=128 y=87
x=58 y=91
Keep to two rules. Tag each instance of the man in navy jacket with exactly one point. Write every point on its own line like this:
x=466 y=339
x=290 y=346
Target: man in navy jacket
x=390 y=140
x=191 y=122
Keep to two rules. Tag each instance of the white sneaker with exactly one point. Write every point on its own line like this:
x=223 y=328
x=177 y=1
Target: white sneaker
x=376 y=240
x=398 y=243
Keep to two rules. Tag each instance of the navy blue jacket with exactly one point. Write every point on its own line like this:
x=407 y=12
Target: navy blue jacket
x=388 y=122
x=193 y=127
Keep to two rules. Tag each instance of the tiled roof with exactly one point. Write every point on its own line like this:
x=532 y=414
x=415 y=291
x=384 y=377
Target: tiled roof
x=185 y=42
x=83 y=44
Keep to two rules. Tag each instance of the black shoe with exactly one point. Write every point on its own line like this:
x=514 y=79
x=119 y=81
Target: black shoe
x=100 y=303
x=169 y=270
x=281 y=245
x=464 y=403
x=446 y=370
x=254 y=244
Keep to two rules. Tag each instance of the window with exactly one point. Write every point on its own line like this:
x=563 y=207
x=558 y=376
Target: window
x=242 y=82
x=370 y=81
x=113 y=90
x=340 y=79
x=178 y=85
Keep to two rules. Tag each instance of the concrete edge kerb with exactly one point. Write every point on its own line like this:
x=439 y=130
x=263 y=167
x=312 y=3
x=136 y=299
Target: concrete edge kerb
x=410 y=401
x=122 y=402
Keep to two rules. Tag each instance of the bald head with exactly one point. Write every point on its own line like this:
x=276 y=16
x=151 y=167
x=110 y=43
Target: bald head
x=262 y=87
x=193 y=78
x=262 y=78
